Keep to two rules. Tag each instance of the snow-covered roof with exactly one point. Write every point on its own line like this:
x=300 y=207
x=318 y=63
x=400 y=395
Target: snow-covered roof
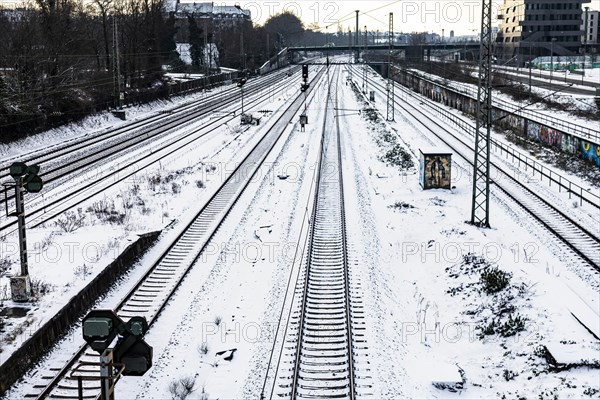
x=206 y=8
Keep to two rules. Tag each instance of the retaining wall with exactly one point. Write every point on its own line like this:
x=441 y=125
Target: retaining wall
x=543 y=134
x=49 y=333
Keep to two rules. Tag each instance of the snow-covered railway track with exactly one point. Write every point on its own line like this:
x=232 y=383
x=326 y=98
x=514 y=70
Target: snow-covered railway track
x=76 y=155
x=45 y=206
x=152 y=292
x=581 y=242
x=319 y=343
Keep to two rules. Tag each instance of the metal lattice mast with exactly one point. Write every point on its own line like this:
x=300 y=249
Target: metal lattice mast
x=390 y=82
x=480 y=213
x=364 y=85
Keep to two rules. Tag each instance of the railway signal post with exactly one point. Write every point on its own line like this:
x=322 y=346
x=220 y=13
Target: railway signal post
x=26 y=178
x=130 y=356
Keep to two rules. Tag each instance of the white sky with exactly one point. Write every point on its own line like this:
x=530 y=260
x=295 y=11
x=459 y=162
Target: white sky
x=462 y=16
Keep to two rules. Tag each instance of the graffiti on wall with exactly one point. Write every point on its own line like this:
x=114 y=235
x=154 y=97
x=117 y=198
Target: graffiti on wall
x=570 y=144
x=550 y=137
x=590 y=152
x=532 y=130
x=435 y=171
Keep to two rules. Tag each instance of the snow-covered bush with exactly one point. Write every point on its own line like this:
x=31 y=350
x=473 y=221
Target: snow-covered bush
x=5 y=264
x=203 y=348
x=40 y=288
x=180 y=389
x=106 y=211
x=70 y=221
x=218 y=320
x=494 y=280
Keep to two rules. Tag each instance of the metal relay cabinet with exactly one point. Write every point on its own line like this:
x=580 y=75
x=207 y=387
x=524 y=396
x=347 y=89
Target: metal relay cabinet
x=435 y=167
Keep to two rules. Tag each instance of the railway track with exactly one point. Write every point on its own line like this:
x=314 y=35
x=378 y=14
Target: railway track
x=320 y=334
x=48 y=206
x=581 y=242
x=152 y=292
x=84 y=152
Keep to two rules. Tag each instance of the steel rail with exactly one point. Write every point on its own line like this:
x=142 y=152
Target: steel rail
x=206 y=223
x=585 y=244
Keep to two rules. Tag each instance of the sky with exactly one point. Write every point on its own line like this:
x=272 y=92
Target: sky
x=461 y=16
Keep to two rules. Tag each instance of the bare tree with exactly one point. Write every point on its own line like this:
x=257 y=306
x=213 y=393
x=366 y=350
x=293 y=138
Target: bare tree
x=104 y=7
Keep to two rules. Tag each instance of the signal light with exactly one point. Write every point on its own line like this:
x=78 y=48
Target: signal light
x=305 y=71
x=101 y=327
x=31 y=181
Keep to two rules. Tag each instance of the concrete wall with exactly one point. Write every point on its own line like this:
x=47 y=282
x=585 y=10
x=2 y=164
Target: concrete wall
x=545 y=135
x=45 y=337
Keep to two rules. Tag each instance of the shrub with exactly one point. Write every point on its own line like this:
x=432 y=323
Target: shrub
x=203 y=348
x=399 y=157
x=494 y=280
x=200 y=184
x=82 y=271
x=400 y=205
x=218 y=320
x=40 y=288
x=5 y=264
x=509 y=375
x=70 y=221
x=182 y=388
x=106 y=211
x=512 y=326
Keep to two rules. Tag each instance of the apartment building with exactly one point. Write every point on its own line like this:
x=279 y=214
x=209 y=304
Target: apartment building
x=530 y=28
x=591 y=34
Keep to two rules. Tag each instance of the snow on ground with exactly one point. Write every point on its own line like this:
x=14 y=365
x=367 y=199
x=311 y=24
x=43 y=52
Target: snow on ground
x=429 y=319
x=236 y=305
x=427 y=305
x=66 y=254
x=95 y=125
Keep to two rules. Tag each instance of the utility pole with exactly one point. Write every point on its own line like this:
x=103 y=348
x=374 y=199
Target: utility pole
x=242 y=58
x=390 y=82
x=356 y=38
x=351 y=52
x=116 y=69
x=327 y=46
x=207 y=53
x=365 y=63
x=480 y=212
